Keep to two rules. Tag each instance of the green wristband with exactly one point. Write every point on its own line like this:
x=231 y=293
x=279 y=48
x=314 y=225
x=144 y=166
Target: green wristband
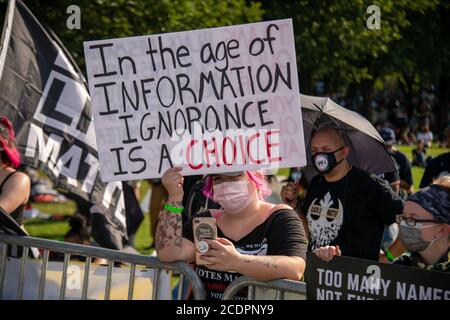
x=389 y=255
x=173 y=209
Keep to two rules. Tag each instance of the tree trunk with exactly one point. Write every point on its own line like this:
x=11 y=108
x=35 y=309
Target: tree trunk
x=305 y=81
x=350 y=97
x=367 y=93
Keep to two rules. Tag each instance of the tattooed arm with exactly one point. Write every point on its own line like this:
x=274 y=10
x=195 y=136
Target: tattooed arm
x=224 y=256
x=170 y=244
x=264 y=268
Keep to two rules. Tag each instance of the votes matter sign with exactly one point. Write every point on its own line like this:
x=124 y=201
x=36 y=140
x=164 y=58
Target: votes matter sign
x=213 y=100
x=345 y=278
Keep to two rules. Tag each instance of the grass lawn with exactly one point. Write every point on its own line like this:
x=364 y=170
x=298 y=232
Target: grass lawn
x=56 y=229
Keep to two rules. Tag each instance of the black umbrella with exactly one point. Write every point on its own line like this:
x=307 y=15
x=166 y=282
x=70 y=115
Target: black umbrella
x=368 y=150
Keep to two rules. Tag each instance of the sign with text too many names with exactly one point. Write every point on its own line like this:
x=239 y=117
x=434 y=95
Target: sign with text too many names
x=345 y=278
x=213 y=100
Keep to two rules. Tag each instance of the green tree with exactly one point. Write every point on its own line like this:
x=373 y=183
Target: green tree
x=334 y=44
x=421 y=58
x=104 y=19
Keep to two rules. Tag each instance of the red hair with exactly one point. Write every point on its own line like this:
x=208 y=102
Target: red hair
x=9 y=154
x=257 y=177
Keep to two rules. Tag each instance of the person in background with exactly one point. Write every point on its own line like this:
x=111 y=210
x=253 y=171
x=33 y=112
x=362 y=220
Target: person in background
x=79 y=233
x=133 y=213
x=425 y=227
x=402 y=163
x=412 y=138
x=79 y=230
x=407 y=137
x=393 y=178
x=419 y=155
x=347 y=208
x=439 y=166
x=254 y=238
x=424 y=134
x=157 y=200
x=298 y=177
x=443 y=138
x=14 y=185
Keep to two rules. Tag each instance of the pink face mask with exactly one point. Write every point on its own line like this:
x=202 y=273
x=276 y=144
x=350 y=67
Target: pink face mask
x=233 y=196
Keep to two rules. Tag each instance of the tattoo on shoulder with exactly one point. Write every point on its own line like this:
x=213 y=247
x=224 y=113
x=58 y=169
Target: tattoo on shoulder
x=169 y=230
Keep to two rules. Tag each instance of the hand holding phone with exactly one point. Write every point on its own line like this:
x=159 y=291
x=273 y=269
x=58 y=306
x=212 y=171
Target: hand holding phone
x=205 y=228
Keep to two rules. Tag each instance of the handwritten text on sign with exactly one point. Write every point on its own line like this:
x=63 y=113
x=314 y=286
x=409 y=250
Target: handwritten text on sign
x=213 y=100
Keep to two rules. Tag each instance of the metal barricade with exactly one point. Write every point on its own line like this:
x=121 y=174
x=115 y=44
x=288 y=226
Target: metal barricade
x=273 y=290
x=89 y=252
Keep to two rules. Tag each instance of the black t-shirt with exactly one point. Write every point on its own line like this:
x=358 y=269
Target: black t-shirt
x=403 y=166
x=281 y=233
x=437 y=167
x=351 y=213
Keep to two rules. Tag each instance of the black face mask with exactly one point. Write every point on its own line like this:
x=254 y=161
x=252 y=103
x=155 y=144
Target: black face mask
x=324 y=162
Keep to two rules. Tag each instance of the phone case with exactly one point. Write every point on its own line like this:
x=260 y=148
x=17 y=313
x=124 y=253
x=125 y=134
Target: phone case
x=204 y=228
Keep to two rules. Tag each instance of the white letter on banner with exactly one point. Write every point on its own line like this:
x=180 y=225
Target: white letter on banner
x=74 y=20
x=373 y=22
x=374 y=279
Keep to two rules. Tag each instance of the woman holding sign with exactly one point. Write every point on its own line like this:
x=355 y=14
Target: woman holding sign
x=425 y=227
x=14 y=185
x=248 y=236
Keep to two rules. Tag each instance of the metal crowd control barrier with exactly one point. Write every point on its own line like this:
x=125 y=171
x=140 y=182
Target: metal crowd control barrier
x=89 y=252
x=273 y=290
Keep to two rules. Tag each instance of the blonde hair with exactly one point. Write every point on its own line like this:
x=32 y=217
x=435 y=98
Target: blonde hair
x=443 y=181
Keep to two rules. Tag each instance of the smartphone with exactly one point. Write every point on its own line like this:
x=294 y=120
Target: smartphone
x=204 y=228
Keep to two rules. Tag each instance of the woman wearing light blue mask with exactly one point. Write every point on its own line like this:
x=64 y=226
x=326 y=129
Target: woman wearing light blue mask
x=425 y=227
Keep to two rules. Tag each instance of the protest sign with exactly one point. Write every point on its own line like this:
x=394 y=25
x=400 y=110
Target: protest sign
x=213 y=100
x=345 y=278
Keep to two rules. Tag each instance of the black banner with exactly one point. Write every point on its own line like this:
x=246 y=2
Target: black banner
x=45 y=96
x=345 y=278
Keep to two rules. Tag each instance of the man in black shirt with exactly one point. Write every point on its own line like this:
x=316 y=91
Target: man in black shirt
x=345 y=207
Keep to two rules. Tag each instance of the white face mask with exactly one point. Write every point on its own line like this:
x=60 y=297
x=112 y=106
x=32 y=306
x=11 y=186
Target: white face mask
x=233 y=196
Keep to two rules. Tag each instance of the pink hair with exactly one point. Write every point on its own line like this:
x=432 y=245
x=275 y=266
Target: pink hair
x=255 y=176
x=9 y=155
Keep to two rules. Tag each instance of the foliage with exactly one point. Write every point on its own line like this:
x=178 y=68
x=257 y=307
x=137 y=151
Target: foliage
x=104 y=19
x=333 y=42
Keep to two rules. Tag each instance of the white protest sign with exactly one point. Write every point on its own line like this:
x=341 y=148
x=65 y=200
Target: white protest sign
x=213 y=100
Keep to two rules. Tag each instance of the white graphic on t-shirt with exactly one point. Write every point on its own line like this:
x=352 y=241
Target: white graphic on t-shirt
x=324 y=221
x=261 y=251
